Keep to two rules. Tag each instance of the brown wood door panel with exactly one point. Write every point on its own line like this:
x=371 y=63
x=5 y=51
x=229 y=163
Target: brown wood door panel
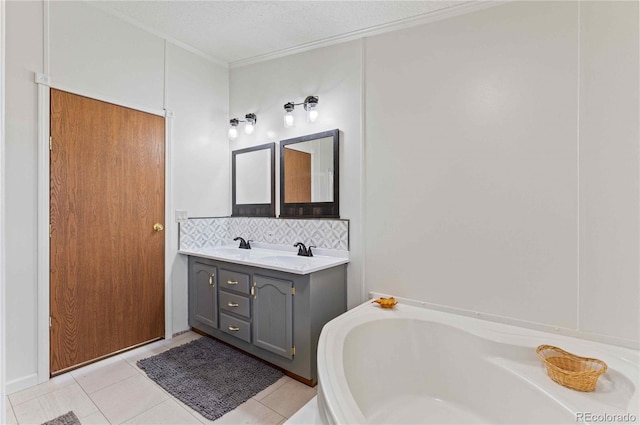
x=297 y=174
x=107 y=262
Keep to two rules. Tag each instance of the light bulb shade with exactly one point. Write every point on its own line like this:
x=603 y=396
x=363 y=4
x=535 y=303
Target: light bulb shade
x=312 y=115
x=311 y=106
x=288 y=120
x=233 y=130
x=251 y=122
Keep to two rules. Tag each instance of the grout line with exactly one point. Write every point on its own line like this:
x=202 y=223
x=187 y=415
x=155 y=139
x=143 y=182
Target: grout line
x=276 y=412
x=44 y=394
x=12 y=410
x=89 y=396
x=185 y=408
x=108 y=386
x=54 y=391
x=132 y=376
x=144 y=411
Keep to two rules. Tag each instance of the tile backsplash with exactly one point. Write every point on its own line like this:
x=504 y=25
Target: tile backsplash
x=323 y=233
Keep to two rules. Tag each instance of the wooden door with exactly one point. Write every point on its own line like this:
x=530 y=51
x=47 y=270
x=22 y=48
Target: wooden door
x=107 y=261
x=297 y=176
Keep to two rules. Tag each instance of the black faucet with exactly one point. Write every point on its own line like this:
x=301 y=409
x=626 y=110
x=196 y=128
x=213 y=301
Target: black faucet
x=243 y=244
x=304 y=251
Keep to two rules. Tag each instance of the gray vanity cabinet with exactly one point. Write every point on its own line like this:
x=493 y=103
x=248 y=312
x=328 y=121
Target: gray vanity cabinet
x=203 y=296
x=273 y=315
x=270 y=314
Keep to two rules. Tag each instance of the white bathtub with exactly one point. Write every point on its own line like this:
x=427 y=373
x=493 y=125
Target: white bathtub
x=415 y=365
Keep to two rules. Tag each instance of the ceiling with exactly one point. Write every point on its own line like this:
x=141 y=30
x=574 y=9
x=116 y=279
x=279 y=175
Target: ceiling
x=236 y=31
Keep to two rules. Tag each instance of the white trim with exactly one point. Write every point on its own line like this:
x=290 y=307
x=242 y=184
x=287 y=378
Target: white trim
x=363 y=164
x=43 y=232
x=579 y=88
x=169 y=241
x=128 y=19
x=3 y=321
x=169 y=223
x=22 y=383
x=438 y=15
x=42 y=318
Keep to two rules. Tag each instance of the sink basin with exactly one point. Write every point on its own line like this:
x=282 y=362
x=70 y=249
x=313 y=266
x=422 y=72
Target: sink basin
x=236 y=253
x=292 y=260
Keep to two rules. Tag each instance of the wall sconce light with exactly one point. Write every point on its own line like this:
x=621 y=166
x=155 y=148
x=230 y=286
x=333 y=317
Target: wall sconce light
x=310 y=105
x=250 y=120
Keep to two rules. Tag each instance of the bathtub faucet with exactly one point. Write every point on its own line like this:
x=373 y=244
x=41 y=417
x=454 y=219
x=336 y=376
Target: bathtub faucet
x=243 y=244
x=304 y=251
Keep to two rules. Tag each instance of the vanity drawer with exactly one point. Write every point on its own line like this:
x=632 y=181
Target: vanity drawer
x=236 y=327
x=233 y=281
x=233 y=303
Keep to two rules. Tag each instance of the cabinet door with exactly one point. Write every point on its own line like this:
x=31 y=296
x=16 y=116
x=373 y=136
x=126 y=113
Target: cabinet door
x=203 y=294
x=273 y=315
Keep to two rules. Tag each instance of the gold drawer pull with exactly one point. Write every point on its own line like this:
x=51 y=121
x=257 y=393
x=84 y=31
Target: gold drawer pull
x=230 y=304
x=232 y=282
x=233 y=328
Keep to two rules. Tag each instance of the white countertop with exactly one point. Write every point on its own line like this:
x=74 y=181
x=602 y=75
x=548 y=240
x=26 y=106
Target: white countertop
x=273 y=257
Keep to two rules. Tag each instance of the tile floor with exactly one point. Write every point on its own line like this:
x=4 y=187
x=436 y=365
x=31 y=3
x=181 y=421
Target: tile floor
x=116 y=391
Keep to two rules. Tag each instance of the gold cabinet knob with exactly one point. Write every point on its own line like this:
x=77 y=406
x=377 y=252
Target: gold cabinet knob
x=158 y=227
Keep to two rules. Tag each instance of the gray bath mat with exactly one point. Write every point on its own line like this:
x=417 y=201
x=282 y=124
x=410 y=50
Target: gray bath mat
x=68 y=418
x=209 y=376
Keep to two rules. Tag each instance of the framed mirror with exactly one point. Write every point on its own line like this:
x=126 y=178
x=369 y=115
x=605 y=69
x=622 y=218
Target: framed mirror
x=253 y=181
x=309 y=176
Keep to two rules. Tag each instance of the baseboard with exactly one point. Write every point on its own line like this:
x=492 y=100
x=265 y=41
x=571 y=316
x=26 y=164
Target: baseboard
x=19 y=384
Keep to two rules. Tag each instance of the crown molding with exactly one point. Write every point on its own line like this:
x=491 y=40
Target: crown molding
x=438 y=15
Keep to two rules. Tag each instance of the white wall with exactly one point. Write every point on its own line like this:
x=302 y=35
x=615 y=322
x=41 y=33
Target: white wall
x=24 y=55
x=96 y=54
x=609 y=188
x=335 y=75
x=3 y=363
x=502 y=165
x=197 y=93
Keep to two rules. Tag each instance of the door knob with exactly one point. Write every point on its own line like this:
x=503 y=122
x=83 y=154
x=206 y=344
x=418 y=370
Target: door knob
x=158 y=227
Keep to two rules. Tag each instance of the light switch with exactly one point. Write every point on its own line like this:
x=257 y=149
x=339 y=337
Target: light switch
x=181 y=216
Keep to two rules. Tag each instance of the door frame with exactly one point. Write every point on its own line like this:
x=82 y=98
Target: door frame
x=44 y=99
x=3 y=362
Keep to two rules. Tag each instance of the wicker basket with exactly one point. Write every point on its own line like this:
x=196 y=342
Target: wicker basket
x=569 y=370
